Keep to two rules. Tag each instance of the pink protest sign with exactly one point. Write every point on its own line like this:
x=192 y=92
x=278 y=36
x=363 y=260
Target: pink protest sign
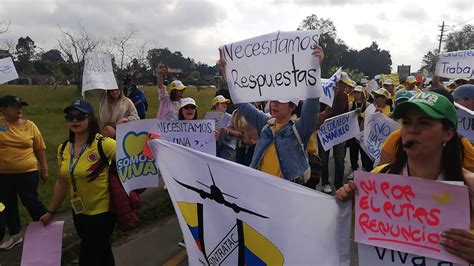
x=408 y=213
x=43 y=244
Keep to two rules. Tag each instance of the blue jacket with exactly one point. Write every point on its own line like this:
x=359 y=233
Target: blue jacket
x=292 y=158
x=135 y=95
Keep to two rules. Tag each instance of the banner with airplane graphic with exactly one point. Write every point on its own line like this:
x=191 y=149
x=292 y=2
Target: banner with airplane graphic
x=235 y=215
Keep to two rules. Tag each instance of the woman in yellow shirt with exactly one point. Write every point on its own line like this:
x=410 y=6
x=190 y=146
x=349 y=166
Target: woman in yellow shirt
x=22 y=147
x=381 y=95
x=86 y=176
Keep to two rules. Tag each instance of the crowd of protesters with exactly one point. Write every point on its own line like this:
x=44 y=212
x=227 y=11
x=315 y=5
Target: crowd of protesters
x=278 y=137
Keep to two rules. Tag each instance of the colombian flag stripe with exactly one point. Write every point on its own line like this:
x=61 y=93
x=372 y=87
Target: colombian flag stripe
x=256 y=249
x=192 y=214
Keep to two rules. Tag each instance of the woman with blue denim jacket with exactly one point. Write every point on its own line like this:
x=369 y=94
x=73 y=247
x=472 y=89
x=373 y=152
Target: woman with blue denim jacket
x=281 y=148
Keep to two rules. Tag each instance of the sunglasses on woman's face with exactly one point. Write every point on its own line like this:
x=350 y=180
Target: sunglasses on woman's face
x=192 y=107
x=77 y=117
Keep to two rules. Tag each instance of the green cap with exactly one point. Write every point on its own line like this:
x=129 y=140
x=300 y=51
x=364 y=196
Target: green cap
x=432 y=104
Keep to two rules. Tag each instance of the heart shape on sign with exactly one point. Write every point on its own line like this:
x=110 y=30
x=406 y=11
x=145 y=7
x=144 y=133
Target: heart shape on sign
x=442 y=199
x=133 y=143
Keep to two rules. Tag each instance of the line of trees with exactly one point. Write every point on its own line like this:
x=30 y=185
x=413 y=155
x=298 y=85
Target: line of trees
x=133 y=59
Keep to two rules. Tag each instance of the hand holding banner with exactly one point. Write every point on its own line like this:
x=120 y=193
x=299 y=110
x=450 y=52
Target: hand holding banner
x=409 y=213
x=275 y=66
x=43 y=244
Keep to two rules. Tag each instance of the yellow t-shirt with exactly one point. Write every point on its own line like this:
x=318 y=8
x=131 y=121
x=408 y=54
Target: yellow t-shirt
x=390 y=147
x=270 y=163
x=18 y=146
x=386 y=110
x=90 y=174
x=312 y=145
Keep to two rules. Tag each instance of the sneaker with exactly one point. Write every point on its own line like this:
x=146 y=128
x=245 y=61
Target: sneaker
x=350 y=176
x=11 y=242
x=327 y=189
x=181 y=244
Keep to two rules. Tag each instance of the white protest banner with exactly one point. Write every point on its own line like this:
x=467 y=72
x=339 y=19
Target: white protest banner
x=220 y=118
x=338 y=129
x=275 y=66
x=235 y=215
x=371 y=255
x=465 y=122
x=98 y=73
x=7 y=70
x=196 y=134
x=377 y=127
x=457 y=64
x=328 y=88
x=138 y=171
x=372 y=86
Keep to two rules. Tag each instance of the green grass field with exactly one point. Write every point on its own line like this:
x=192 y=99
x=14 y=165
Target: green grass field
x=46 y=106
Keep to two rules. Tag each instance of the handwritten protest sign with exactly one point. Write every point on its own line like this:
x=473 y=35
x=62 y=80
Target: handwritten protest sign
x=457 y=64
x=408 y=213
x=328 y=88
x=196 y=134
x=43 y=244
x=7 y=70
x=138 y=171
x=465 y=122
x=98 y=72
x=221 y=119
x=377 y=127
x=275 y=66
x=338 y=129
x=372 y=86
x=370 y=255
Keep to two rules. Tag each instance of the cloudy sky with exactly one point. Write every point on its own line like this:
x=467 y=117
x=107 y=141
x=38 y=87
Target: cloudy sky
x=408 y=29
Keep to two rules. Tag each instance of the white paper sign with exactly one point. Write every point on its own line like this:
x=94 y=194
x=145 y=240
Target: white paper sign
x=7 y=70
x=98 y=73
x=221 y=119
x=275 y=66
x=136 y=170
x=235 y=215
x=338 y=129
x=465 y=122
x=457 y=64
x=377 y=127
x=372 y=86
x=328 y=88
x=370 y=255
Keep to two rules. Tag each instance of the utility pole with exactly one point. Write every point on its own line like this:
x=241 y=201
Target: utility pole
x=442 y=27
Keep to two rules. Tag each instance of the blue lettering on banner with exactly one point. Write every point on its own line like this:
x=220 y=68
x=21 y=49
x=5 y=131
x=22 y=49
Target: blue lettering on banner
x=328 y=86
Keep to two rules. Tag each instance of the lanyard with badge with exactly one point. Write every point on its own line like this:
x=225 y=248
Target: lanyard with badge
x=76 y=200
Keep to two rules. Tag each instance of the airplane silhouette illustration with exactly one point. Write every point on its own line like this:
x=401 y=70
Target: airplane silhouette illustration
x=218 y=196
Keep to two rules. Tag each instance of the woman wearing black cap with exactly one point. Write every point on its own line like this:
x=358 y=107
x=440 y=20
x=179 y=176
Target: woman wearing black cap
x=21 y=140
x=83 y=172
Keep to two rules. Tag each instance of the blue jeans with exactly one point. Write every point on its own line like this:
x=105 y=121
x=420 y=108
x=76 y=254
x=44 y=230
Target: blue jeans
x=339 y=153
x=25 y=186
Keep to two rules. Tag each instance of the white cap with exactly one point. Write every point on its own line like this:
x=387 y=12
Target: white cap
x=387 y=82
x=187 y=101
